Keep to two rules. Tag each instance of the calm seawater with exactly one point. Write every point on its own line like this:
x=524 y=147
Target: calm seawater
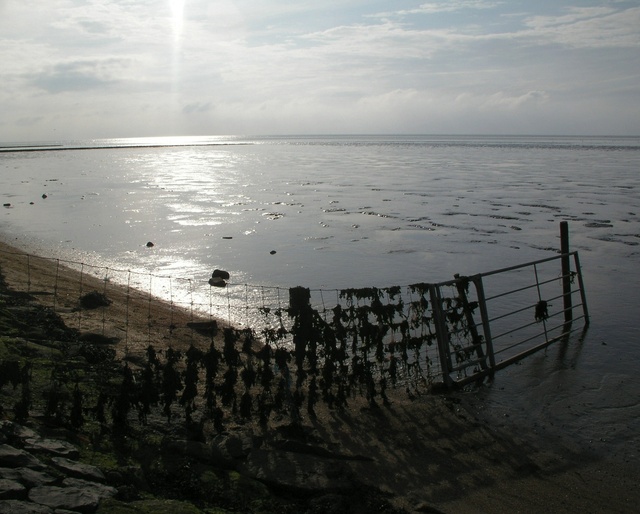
x=349 y=211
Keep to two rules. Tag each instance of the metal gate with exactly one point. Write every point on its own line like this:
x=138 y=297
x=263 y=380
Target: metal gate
x=487 y=321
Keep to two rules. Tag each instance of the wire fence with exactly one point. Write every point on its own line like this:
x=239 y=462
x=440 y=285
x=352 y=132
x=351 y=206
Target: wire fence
x=435 y=328
x=256 y=349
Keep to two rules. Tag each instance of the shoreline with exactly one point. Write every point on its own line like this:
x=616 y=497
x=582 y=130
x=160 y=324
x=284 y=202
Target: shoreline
x=438 y=453
x=132 y=321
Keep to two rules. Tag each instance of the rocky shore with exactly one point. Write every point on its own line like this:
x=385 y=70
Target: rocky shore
x=43 y=475
x=46 y=465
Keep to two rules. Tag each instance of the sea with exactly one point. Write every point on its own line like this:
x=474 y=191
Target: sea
x=334 y=212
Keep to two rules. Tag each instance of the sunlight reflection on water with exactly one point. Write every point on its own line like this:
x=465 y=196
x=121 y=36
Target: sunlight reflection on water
x=352 y=212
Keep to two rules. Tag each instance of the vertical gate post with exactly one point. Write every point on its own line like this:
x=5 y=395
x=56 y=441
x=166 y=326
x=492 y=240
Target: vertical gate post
x=566 y=271
x=583 y=295
x=461 y=286
x=484 y=314
x=442 y=334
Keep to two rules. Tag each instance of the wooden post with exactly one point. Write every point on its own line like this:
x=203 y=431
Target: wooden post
x=566 y=271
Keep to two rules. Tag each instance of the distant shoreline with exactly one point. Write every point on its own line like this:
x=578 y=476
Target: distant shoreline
x=58 y=148
x=481 y=140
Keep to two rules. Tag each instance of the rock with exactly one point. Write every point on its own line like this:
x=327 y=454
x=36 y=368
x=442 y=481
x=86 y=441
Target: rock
x=103 y=491
x=156 y=506
x=218 y=278
x=14 y=430
x=93 y=300
x=53 y=447
x=20 y=507
x=69 y=498
x=26 y=476
x=217 y=282
x=11 y=457
x=224 y=275
x=78 y=469
x=11 y=490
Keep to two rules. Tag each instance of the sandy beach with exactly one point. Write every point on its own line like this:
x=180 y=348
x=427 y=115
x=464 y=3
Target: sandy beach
x=434 y=453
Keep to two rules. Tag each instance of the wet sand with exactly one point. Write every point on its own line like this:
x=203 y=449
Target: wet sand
x=436 y=453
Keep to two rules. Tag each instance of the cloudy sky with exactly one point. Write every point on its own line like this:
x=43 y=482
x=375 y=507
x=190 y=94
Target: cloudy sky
x=121 y=68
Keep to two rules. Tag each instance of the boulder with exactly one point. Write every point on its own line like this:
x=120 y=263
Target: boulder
x=11 y=457
x=16 y=431
x=11 y=490
x=103 y=491
x=22 y=507
x=26 y=476
x=52 y=447
x=218 y=273
x=93 y=300
x=78 y=469
x=68 y=498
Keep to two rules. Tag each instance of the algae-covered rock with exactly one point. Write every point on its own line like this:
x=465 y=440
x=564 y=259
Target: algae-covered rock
x=154 y=506
x=93 y=300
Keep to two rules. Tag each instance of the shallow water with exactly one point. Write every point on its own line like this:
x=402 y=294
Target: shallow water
x=368 y=211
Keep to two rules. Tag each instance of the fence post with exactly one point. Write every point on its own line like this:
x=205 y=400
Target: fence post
x=566 y=271
x=301 y=311
x=442 y=334
x=461 y=285
x=484 y=314
x=583 y=295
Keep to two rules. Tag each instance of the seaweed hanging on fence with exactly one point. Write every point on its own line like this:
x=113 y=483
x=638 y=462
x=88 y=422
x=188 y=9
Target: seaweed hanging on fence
x=22 y=406
x=76 y=417
x=191 y=377
x=211 y=361
x=148 y=379
x=542 y=311
x=123 y=401
x=171 y=381
x=369 y=342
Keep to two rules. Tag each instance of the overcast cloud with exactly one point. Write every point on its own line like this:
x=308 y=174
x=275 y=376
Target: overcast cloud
x=119 y=68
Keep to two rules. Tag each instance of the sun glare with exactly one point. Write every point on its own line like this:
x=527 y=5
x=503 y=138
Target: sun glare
x=177 y=16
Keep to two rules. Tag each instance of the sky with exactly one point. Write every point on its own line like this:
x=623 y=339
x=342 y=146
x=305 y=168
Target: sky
x=77 y=69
